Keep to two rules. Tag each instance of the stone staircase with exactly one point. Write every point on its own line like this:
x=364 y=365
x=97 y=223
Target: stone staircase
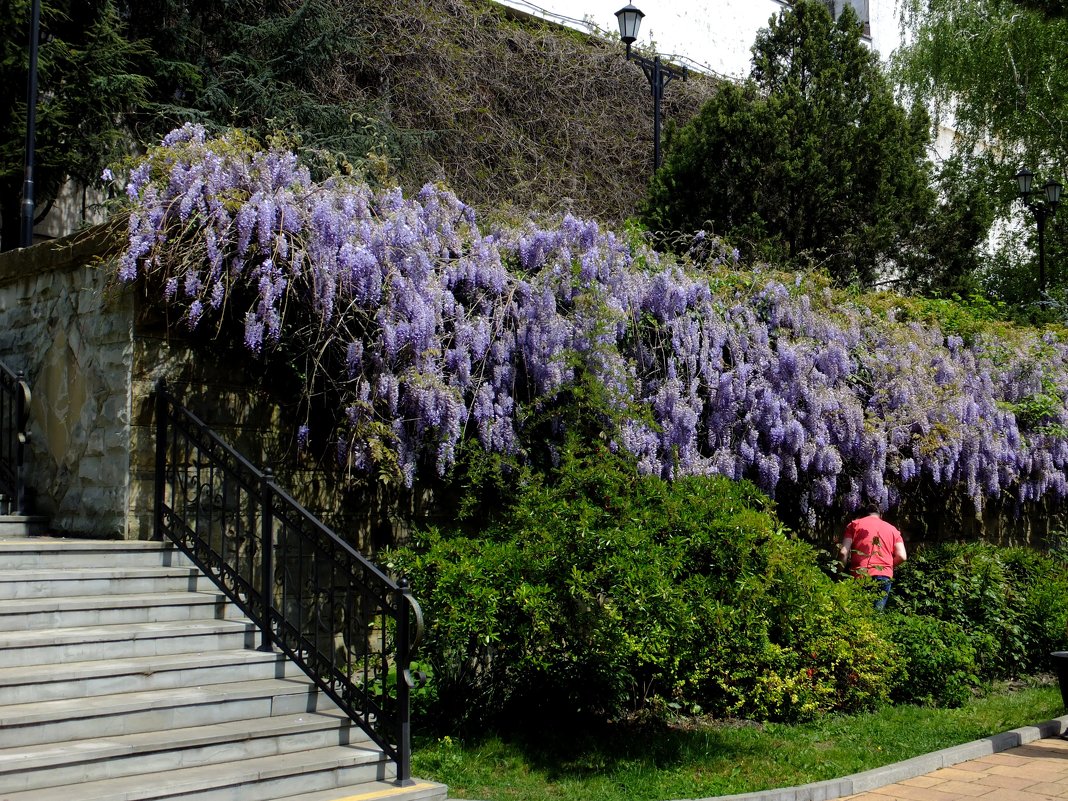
x=126 y=675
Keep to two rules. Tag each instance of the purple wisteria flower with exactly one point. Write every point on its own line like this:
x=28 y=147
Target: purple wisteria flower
x=440 y=332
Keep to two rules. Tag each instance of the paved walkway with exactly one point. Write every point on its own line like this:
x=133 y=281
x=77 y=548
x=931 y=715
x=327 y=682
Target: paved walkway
x=1034 y=772
x=1025 y=764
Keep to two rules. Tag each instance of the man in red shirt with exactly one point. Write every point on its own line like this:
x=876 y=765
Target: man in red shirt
x=873 y=547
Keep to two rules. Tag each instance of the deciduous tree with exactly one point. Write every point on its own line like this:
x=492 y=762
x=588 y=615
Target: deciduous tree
x=994 y=70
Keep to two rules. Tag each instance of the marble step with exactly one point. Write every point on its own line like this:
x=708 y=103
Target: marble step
x=122 y=755
x=68 y=719
x=90 y=643
x=252 y=779
x=26 y=614
x=53 y=553
x=48 y=583
x=376 y=791
x=139 y=674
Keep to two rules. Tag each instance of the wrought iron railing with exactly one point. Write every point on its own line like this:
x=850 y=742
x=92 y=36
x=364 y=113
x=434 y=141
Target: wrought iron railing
x=14 y=418
x=349 y=626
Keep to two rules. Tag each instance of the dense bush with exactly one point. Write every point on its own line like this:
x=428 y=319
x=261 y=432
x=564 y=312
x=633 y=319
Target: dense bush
x=1011 y=602
x=940 y=660
x=600 y=592
x=595 y=592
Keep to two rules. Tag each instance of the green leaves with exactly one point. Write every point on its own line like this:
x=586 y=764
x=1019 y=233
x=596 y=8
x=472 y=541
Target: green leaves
x=994 y=71
x=1012 y=603
x=601 y=592
x=940 y=659
x=88 y=80
x=810 y=162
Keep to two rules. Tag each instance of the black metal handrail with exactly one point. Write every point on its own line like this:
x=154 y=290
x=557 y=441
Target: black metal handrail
x=14 y=421
x=342 y=620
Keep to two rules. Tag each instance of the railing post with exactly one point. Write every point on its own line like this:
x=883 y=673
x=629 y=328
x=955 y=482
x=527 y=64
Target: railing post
x=404 y=685
x=267 y=556
x=161 y=459
x=21 y=420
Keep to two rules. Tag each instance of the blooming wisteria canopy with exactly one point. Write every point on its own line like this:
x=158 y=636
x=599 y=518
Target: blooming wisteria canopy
x=442 y=332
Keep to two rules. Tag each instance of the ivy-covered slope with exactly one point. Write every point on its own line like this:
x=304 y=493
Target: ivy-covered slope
x=515 y=113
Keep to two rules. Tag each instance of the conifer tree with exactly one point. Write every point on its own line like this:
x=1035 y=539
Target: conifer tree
x=88 y=79
x=811 y=160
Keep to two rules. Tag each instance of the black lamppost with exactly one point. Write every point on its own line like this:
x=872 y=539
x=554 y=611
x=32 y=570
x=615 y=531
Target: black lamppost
x=31 y=128
x=1042 y=209
x=659 y=75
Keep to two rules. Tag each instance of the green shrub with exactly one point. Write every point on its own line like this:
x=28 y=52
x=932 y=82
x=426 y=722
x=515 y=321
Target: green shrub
x=1012 y=602
x=601 y=592
x=1040 y=597
x=939 y=661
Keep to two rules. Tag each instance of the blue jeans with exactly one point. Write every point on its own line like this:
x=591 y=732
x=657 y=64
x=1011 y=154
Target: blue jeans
x=884 y=586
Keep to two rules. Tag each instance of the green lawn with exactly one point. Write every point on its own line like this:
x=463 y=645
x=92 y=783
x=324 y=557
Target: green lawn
x=700 y=759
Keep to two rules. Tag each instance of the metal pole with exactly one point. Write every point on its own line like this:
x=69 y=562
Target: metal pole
x=267 y=556
x=657 y=80
x=31 y=126
x=21 y=436
x=404 y=702
x=161 y=459
x=1040 y=215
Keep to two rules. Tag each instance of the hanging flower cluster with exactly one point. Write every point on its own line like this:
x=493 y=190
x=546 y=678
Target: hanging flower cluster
x=438 y=331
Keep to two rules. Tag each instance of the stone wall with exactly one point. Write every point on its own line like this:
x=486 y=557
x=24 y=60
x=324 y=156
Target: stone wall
x=70 y=330
x=225 y=396
x=92 y=354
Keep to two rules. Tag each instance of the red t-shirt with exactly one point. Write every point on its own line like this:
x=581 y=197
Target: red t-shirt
x=872 y=551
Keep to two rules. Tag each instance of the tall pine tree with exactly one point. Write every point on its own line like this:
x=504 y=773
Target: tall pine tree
x=88 y=77
x=811 y=160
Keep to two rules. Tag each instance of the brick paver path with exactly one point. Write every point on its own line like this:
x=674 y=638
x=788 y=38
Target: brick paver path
x=1034 y=772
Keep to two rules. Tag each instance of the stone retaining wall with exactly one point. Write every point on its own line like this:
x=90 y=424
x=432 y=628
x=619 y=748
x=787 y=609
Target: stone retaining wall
x=92 y=353
x=71 y=332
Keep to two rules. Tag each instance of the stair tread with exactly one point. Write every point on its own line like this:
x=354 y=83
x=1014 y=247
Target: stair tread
x=67 y=603
x=117 y=746
x=94 y=706
x=186 y=780
x=80 y=573
x=72 y=671
x=118 y=631
x=52 y=544
x=374 y=790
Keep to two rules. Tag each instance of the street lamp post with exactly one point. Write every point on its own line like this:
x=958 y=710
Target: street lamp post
x=659 y=75
x=1042 y=209
x=26 y=238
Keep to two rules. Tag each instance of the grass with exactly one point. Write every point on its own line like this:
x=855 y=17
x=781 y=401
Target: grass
x=708 y=758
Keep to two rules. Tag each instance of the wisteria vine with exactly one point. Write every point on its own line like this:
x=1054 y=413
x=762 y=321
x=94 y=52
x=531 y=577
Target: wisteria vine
x=440 y=331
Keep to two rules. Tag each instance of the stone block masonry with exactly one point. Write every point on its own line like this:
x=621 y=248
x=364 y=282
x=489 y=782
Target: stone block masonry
x=92 y=352
x=66 y=325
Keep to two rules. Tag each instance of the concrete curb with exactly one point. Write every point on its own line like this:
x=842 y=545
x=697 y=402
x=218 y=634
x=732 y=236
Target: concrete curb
x=908 y=769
